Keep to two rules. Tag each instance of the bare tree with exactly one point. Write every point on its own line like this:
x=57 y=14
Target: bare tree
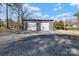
x=21 y=11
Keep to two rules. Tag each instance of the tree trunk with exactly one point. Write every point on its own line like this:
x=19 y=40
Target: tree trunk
x=7 y=15
x=22 y=22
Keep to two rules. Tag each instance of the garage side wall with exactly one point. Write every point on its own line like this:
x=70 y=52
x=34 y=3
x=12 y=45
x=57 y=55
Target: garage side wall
x=51 y=25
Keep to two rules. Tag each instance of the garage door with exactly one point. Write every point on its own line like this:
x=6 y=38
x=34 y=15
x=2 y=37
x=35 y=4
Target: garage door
x=32 y=26
x=44 y=26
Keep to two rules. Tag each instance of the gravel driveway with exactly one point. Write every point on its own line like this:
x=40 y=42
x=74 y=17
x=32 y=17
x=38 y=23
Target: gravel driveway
x=39 y=44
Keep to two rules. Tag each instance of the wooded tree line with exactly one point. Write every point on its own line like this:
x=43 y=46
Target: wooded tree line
x=67 y=24
x=11 y=9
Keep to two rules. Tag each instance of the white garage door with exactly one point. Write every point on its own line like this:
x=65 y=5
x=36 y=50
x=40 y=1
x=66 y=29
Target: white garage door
x=45 y=26
x=32 y=26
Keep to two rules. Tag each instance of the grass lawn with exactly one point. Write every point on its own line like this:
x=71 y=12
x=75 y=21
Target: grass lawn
x=70 y=32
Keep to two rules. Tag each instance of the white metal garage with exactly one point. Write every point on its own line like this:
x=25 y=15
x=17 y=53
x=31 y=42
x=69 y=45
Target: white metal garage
x=44 y=26
x=38 y=25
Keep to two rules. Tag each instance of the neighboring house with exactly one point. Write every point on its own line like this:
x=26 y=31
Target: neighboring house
x=74 y=24
x=38 y=25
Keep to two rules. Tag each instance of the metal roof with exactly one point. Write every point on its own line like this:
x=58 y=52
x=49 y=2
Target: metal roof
x=37 y=20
